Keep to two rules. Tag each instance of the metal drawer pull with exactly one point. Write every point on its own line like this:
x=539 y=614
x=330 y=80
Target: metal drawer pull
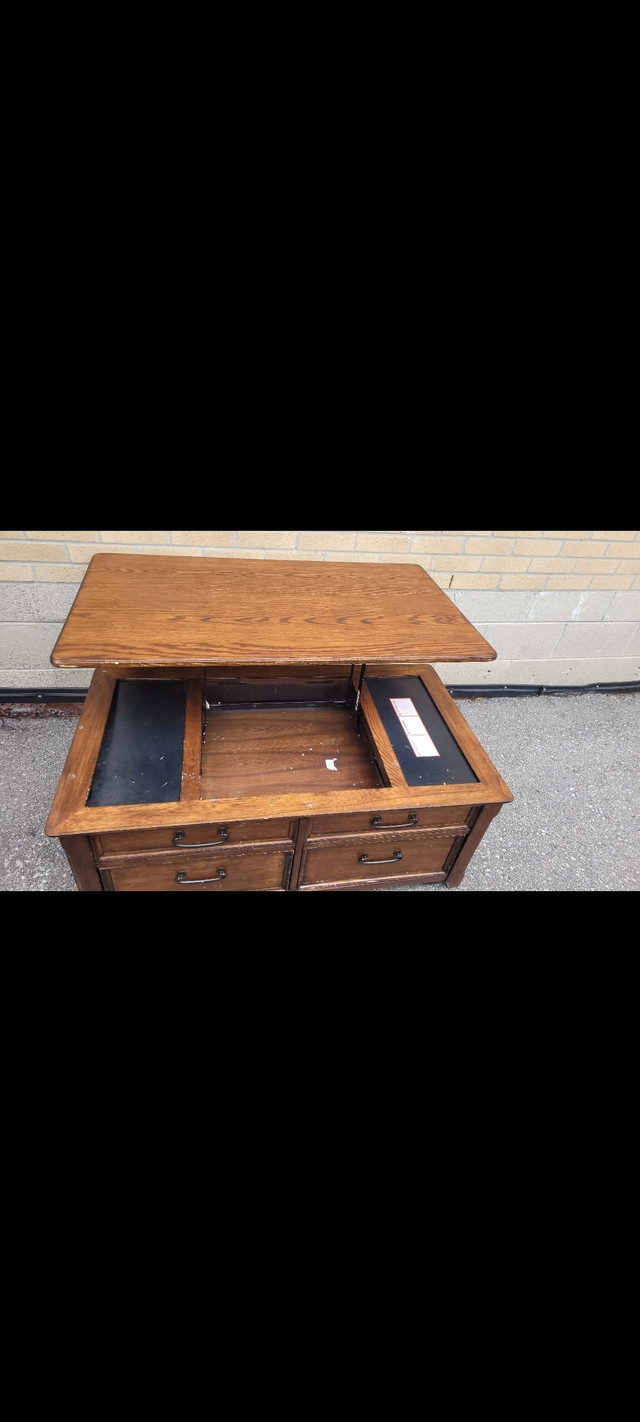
x=223 y=833
x=182 y=878
x=376 y=823
x=364 y=858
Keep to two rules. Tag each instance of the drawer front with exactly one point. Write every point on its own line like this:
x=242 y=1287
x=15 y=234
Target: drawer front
x=203 y=873
x=211 y=836
x=368 y=858
x=362 y=822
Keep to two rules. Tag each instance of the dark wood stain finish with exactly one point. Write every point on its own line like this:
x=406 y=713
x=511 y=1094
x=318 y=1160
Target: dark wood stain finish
x=452 y=818
x=242 y=873
x=389 y=857
x=212 y=836
x=484 y=818
x=78 y=851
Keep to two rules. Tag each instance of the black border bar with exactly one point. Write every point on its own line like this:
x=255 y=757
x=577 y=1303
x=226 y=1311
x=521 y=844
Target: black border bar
x=53 y=694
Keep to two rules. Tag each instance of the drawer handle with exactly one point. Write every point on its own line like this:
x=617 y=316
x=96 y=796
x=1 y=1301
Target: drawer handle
x=182 y=878
x=223 y=834
x=376 y=824
x=364 y=858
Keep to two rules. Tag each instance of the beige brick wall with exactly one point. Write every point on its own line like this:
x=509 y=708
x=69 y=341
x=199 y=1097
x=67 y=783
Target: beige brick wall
x=558 y=605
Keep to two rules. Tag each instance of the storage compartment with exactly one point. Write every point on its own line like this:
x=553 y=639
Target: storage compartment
x=140 y=758
x=221 y=873
x=426 y=750
x=265 y=737
x=274 y=751
x=419 y=855
x=240 y=685
x=208 y=836
x=366 y=823
x=295 y=779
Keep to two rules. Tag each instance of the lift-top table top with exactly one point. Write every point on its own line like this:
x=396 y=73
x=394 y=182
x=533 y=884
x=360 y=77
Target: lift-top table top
x=148 y=610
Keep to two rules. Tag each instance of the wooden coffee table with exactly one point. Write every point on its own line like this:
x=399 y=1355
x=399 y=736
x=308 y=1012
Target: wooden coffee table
x=261 y=725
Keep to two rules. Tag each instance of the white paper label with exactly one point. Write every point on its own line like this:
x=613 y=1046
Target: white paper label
x=413 y=726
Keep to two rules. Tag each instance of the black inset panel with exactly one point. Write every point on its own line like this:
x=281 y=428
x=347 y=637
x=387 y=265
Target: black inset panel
x=230 y=690
x=450 y=766
x=140 y=758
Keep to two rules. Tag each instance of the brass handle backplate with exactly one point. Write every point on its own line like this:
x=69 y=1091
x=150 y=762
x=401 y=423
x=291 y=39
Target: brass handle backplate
x=376 y=823
x=182 y=878
x=223 y=834
x=364 y=858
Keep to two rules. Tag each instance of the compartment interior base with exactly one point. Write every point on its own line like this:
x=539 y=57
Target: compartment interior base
x=269 y=751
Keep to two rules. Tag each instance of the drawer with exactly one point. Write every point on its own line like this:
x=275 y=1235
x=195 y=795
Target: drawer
x=257 y=871
x=208 y=836
x=444 y=816
x=395 y=857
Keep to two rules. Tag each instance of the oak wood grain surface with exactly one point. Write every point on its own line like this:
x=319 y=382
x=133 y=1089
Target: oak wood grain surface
x=201 y=836
x=106 y=818
x=247 y=873
x=273 y=751
x=151 y=610
x=380 y=739
x=74 y=783
x=469 y=744
x=454 y=818
x=70 y=815
x=331 y=863
x=183 y=861
x=352 y=885
x=192 y=743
